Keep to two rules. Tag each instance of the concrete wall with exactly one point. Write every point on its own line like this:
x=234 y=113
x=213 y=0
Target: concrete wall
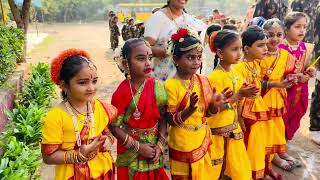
x=8 y=92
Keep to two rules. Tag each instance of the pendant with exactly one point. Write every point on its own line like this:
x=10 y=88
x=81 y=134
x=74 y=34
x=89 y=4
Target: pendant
x=269 y=72
x=137 y=114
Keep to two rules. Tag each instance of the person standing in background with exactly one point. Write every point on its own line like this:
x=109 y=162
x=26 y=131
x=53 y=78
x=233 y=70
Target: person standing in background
x=115 y=32
x=309 y=7
x=267 y=9
x=160 y=27
x=315 y=103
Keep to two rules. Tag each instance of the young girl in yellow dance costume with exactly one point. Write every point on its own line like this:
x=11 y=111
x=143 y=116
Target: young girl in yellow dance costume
x=228 y=152
x=75 y=132
x=274 y=70
x=254 y=111
x=189 y=99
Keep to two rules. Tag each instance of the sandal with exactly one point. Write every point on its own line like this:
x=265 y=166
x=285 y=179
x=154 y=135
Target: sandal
x=283 y=164
x=267 y=177
x=293 y=161
x=275 y=175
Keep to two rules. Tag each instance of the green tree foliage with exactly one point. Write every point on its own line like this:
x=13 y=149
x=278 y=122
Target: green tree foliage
x=74 y=10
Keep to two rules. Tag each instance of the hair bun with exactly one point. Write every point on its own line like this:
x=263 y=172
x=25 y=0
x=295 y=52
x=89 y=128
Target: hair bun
x=57 y=62
x=212 y=38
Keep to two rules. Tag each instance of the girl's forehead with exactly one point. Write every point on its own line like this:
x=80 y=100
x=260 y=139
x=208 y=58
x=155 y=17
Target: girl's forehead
x=87 y=71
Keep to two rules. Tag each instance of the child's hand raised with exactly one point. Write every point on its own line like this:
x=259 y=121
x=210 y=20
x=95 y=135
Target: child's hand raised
x=217 y=99
x=310 y=71
x=227 y=93
x=248 y=90
x=193 y=101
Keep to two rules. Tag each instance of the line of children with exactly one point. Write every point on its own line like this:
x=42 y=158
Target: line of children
x=231 y=124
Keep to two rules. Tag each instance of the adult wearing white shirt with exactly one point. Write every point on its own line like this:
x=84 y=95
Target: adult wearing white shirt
x=158 y=31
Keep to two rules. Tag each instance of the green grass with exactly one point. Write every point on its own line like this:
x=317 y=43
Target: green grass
x=43 y=45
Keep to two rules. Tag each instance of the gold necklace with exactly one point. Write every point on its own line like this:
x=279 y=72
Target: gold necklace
x=173 y=19
x=77 y=109
x=233 y=78
x=253 y=70
x=90 y=118
x=137 y=113
x=291 y=47
x=275 y=62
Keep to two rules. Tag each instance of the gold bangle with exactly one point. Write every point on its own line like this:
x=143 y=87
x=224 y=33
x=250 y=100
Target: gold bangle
x=65 y=157
x=125 y=140
x=129 y=143
x=81 y=157
x=136 y=146
x=160 y=147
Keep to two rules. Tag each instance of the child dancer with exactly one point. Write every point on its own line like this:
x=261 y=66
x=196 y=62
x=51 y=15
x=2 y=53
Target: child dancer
x=228 y=152
x=259 y=126
x=75 y=132
x=296 y=24
x=139 y=128
x=189 y=99
x=274 y=69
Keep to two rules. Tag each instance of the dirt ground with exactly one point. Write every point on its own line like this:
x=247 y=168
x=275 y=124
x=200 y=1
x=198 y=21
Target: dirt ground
x=94 y=37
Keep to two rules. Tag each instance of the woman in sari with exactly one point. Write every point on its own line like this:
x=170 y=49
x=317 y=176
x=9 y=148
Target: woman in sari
x=190 y=98
x=139 y=127
x=76 y=137
x=297 y=99
x=158 y=30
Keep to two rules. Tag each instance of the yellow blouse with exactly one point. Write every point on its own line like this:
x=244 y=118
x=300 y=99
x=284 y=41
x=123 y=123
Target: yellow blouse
x=221 y=80
x=58 y=128
x=251 y=72
x=275 y=97
x=179 y=138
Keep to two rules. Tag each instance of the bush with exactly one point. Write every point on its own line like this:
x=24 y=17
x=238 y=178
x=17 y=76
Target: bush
x=38 y=89
x=25 y=124
x=19 y=161
x=21 y=158
x=11 y=48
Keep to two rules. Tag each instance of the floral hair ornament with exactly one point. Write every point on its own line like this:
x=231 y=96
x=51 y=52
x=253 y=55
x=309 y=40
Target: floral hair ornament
x=212 y=38
x=180 y=36
x=58 y=61
x=117 y=57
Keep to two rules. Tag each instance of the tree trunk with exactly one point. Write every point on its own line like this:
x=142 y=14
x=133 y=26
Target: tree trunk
x=65 y=15
x=21 y=17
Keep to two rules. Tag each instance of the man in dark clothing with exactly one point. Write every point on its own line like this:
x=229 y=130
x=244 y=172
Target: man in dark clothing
x=115 y=33
x=283 y=9
x=315 y=103
x=267 y=9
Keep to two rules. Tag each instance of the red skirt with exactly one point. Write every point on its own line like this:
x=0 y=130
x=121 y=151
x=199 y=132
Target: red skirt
x=158 y=174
